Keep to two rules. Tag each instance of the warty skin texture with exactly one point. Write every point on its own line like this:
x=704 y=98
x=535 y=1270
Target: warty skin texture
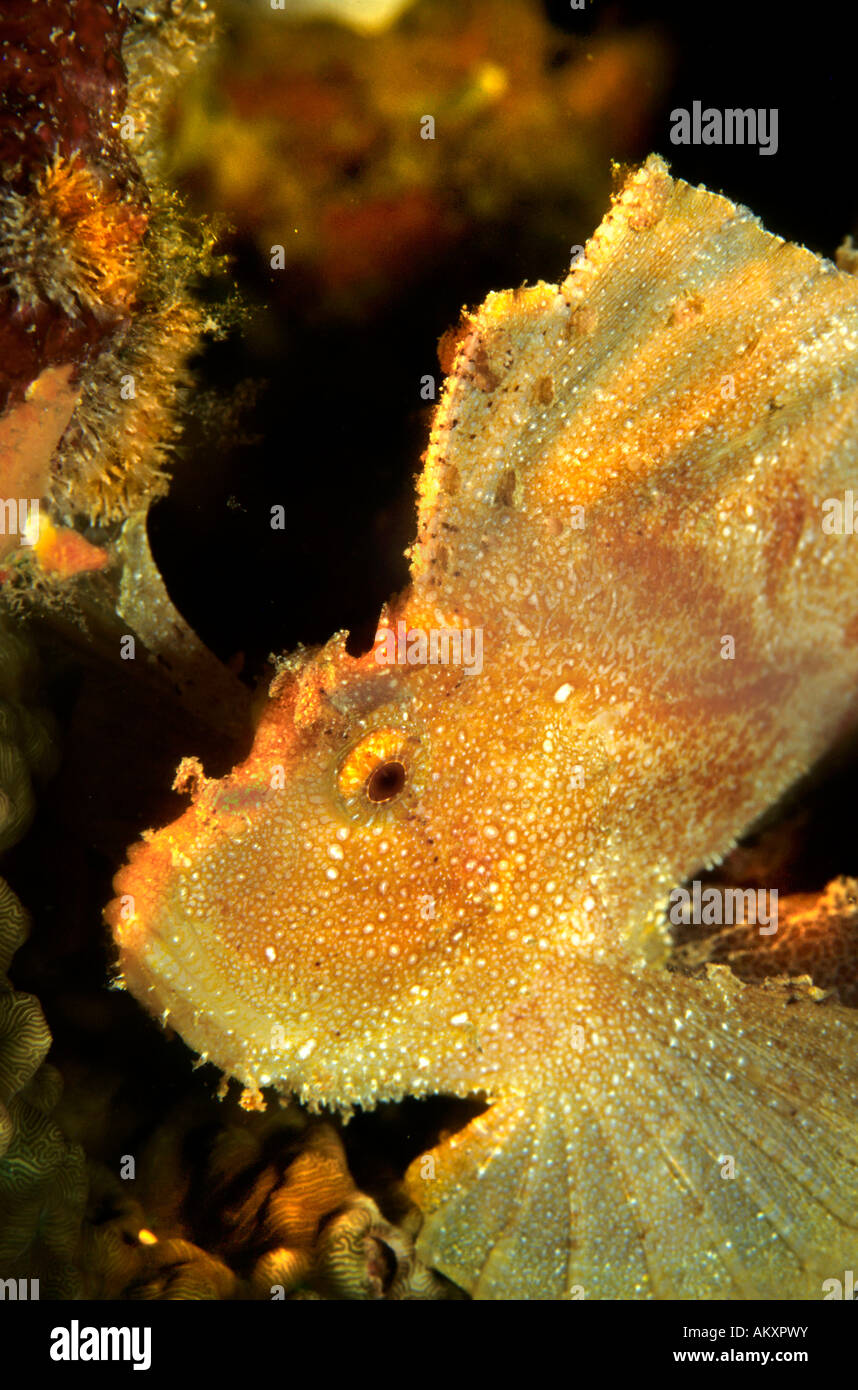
x=496 y=926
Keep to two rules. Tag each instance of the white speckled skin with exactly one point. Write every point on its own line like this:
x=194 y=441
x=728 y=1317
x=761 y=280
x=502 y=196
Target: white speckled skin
x=625 y=472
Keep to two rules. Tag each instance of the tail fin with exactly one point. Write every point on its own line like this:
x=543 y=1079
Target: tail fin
x=705 y=1146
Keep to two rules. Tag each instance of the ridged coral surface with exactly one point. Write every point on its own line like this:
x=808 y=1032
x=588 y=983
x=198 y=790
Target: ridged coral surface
x=42 y=1179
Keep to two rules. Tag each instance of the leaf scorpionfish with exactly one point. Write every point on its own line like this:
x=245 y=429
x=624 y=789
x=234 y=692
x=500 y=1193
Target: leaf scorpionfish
x=454 y=881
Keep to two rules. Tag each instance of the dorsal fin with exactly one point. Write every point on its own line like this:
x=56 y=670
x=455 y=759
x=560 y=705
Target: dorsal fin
x=688 y=356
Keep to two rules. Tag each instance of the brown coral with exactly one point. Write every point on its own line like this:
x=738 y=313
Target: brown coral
x=42 y=1180
x=816 y=934
x=262 y=1207
x=97 y=265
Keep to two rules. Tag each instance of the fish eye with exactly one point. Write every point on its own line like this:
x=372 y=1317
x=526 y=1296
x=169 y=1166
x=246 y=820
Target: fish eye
x=386 y=781
x=375 y=772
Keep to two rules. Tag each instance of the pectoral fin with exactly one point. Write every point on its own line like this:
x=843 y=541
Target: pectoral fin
x=703 y=1145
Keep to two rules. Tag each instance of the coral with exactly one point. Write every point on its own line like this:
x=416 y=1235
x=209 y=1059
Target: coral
x=114 y=458
x=817 y=936
x=42 y=1177
x=456 y=882
x=72 y=242
x=176 y=1269
x=62 y=88
x=327 y=1237
x=98 y=263
x=28 y=748
x=29 y=433
x=261 y=1207
x=62 y=551
x=162 y=46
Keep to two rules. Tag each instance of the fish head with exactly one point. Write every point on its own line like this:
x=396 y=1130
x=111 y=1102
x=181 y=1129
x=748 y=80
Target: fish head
x=326 y=917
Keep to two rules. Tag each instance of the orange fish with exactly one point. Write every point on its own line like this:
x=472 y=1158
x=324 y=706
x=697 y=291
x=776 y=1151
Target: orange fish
x=445 y=866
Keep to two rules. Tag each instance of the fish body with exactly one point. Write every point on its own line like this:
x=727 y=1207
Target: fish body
x=435 y=876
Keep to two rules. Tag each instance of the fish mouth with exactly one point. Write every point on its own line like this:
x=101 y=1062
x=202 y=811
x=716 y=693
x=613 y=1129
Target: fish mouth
x=165 y=964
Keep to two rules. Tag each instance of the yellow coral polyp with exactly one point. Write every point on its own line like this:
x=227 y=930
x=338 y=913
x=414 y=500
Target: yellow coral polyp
x=101 y=231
